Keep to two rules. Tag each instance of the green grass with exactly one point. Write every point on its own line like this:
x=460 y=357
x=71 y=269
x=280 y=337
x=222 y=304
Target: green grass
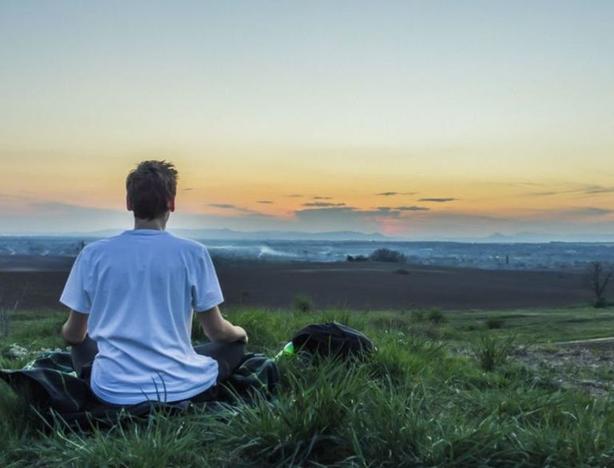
x=424 y=399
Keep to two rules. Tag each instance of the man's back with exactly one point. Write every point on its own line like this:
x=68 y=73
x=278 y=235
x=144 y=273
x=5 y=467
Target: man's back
x=140 y=289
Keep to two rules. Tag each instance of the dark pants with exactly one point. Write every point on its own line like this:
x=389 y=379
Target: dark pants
x=227 y=355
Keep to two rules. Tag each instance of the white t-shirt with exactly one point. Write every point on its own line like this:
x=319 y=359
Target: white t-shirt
x=140 y=289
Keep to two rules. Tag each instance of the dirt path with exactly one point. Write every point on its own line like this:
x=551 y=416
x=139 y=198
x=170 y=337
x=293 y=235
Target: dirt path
x=577 y=364
x=606 y=342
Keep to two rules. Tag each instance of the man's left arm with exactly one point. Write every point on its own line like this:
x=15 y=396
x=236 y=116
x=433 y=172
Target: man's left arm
x=75 y=328
x=76 y=296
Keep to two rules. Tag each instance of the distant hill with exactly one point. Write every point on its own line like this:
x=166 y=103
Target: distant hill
x=540 y=237
x=229 y=234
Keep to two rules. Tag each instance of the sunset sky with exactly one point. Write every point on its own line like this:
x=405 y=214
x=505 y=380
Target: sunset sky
x=413 y=119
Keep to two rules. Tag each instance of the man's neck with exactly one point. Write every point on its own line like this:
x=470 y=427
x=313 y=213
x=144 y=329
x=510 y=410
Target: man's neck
x=156 y=223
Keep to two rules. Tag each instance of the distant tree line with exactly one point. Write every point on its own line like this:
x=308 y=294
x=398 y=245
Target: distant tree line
x=380 y=255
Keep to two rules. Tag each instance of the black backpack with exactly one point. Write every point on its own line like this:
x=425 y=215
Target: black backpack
x=332 y=339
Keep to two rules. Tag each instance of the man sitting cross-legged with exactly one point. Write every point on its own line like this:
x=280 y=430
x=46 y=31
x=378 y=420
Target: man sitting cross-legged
x=132 y=298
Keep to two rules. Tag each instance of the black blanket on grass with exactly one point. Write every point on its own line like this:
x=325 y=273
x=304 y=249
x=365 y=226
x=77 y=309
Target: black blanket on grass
x=51 y=385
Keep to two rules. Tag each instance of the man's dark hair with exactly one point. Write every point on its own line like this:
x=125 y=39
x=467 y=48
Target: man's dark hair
x=150 y=187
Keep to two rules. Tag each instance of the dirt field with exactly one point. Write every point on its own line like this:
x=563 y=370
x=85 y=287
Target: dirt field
x=37 y=283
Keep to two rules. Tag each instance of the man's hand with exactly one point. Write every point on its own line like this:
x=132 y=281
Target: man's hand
x=217 y=328
x=75 y=328
x=242 y=331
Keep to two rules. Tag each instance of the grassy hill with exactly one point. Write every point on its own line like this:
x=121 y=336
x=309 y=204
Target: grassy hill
x=443 y=389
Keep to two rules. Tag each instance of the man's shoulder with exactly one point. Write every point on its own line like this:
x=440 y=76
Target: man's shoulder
x=95 y=250
x=94 y=246
x=187 y=244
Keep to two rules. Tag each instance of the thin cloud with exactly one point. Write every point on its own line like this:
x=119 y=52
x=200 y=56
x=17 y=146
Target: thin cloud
x=522 y=184
x=392 y=194
x=589 y=211
x=412 y=208
x=346 y=211
x=546 y=194
x=265 y=202
x=596 y=189
x=323 y=204
x=187 y=189
x=560 y=190
x=438 y=200
x=321 y=198
x=584 y=189
x=225 y=206
x=230 y=206
x=295 y=195
x=403 y=208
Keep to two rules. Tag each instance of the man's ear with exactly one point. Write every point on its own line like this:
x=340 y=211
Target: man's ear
x=171 y=204
x=128 y=204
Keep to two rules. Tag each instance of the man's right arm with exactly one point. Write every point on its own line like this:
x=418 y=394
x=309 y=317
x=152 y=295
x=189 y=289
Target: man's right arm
x=217 y=328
